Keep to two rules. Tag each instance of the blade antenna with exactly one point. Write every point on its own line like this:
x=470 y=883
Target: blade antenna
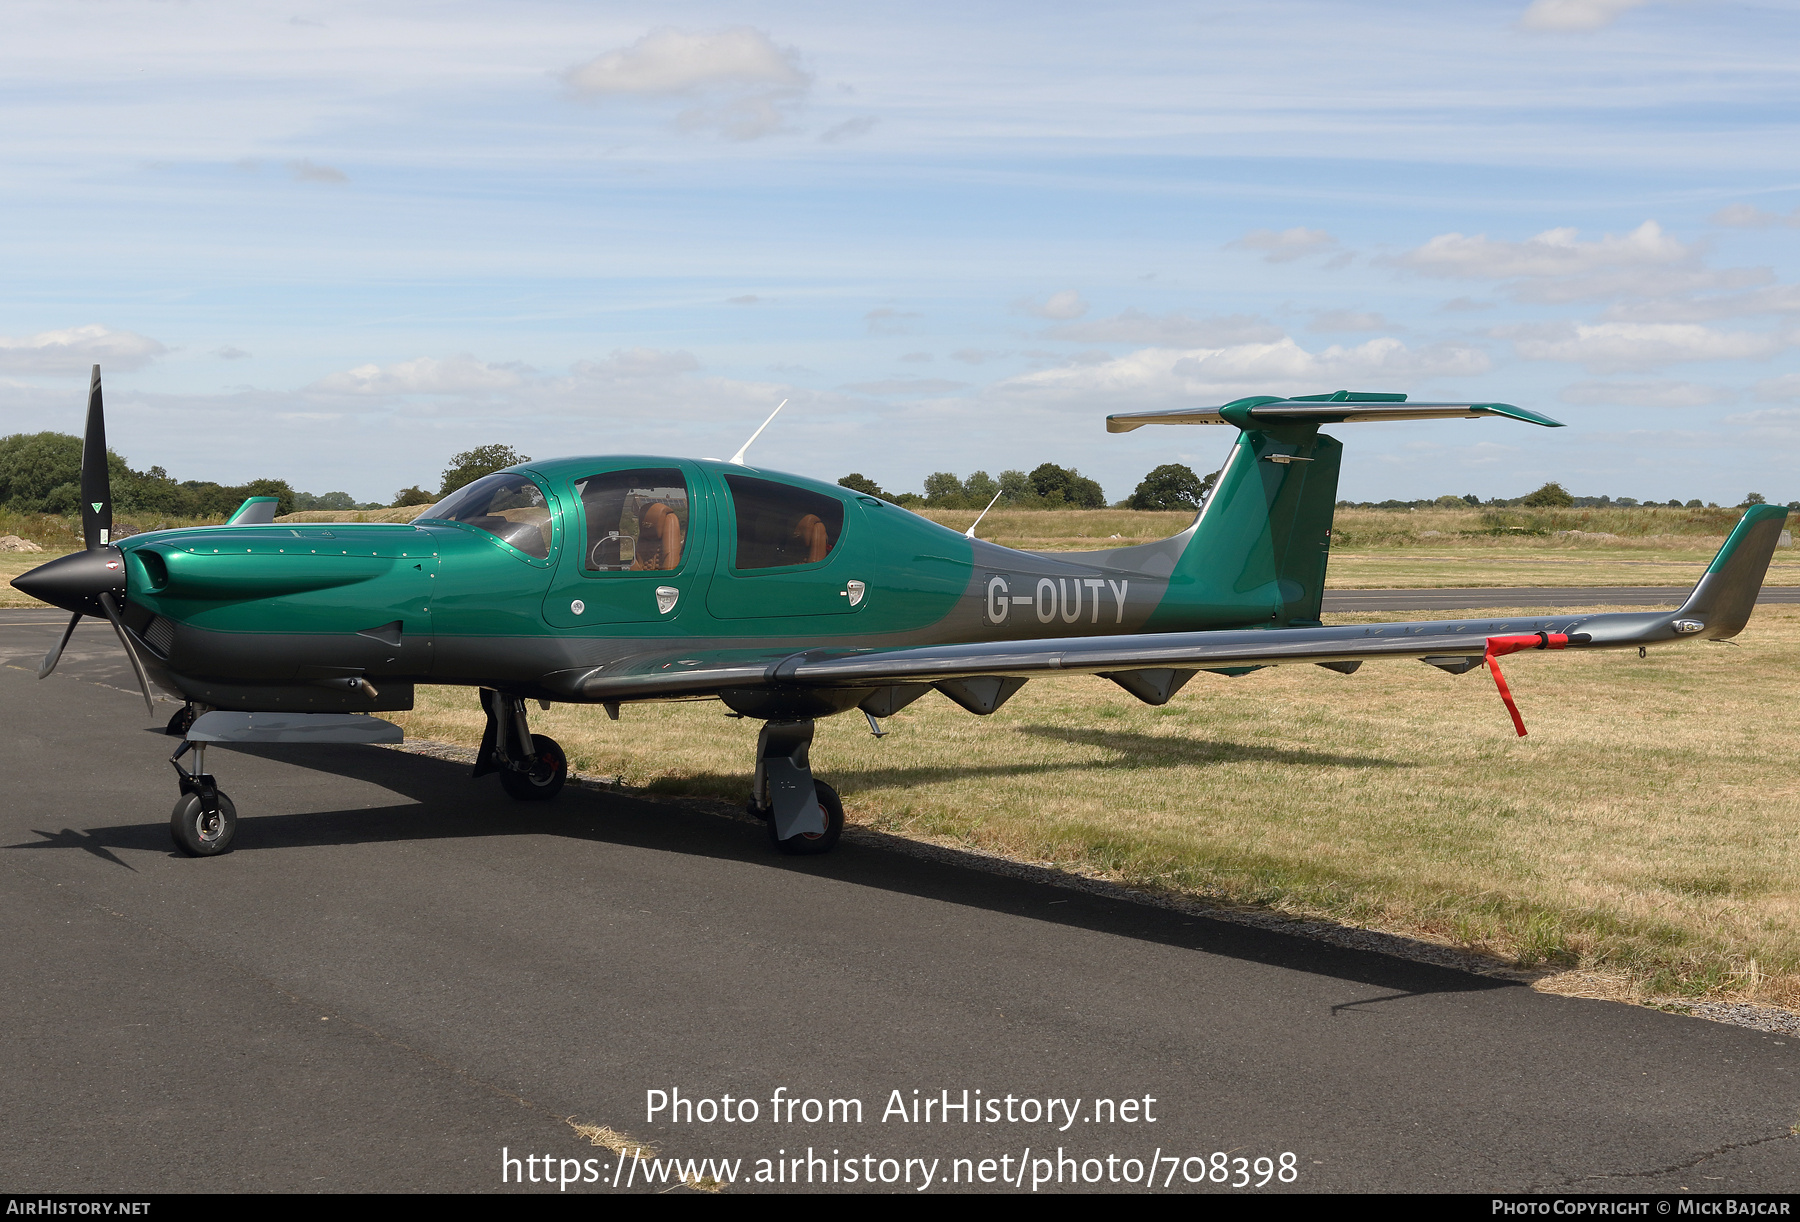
x=112 y=613
x=970 y=533
x=738 y=458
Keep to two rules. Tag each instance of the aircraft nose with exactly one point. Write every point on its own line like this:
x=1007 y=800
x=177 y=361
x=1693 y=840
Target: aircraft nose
x=76 y=581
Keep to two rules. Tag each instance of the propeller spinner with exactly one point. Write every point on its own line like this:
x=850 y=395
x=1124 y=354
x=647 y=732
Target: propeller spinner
x=90 y=582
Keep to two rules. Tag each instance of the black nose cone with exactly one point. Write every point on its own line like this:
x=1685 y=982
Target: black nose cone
x=76 y=581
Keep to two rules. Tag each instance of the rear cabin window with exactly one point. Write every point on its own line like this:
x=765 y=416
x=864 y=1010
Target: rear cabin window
x=507 y=505
x=779 y=525
x=637 y=521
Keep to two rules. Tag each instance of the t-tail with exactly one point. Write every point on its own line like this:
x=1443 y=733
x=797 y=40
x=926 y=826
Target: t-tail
x=1258 y=550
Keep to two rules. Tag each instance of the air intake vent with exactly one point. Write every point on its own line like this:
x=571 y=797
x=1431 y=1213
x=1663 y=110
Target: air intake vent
x=159 y=634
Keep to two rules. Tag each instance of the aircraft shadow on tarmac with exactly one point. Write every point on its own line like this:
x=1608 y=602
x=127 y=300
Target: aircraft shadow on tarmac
x=443 y=803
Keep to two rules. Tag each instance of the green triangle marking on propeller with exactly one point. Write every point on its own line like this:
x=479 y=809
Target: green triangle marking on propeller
x=98 y=505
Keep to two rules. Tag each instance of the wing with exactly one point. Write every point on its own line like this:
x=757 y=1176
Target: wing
x=1718 y=607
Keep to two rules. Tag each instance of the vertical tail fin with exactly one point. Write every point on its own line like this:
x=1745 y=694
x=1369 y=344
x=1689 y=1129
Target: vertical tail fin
x=1258 y=551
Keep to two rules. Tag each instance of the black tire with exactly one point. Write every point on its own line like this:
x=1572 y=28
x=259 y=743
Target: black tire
x=199 y=835
x=544 y=779
x=182 y=721
x=804 y=845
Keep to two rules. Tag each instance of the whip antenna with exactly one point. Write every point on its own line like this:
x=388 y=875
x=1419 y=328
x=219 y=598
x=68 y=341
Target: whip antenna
x=977 y=522
x=738 y=458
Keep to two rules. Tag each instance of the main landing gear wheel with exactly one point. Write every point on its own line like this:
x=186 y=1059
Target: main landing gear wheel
x=543 y=774
x=200 y=833
x=809 y=844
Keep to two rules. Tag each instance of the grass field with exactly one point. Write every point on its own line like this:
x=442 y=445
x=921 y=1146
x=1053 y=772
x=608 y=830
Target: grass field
x=1646 y=832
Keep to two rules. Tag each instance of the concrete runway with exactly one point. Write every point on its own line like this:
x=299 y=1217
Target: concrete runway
x=398 y=972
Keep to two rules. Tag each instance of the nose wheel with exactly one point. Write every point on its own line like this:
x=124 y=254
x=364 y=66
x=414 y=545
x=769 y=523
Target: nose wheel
x=199 y=831
x=204 y=820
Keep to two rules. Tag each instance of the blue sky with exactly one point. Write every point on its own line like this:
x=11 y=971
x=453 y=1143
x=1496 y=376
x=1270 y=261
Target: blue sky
x=338 y=242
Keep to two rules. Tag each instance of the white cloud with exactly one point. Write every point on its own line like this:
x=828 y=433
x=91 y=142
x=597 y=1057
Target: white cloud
x=904 y=386
x=229 y=353
x=1650 y=393
x=1622 y=347
x=1063 y=306
x=1175 y=375
x=849 y=129
x=1554 y=252
x=1561 y=16
x=1785 y=387
x=1779 y=426
x=1171 y=330
x=1557 y=266
x=673 y=62
x=1285 y=246
x=743 y=79
x=1349 y=320
x=74 y=349
x=1776 y=299
x=638 y=363
x=1749 y=216
x=309 y=171
x=456 y=375
x=889 y=321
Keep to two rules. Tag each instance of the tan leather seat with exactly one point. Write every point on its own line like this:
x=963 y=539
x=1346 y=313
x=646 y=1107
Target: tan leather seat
x=813 y=536
x=659 y=532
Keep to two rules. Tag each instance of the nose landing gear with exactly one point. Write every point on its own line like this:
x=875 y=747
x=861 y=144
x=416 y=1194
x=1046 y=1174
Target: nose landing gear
x=204 y=820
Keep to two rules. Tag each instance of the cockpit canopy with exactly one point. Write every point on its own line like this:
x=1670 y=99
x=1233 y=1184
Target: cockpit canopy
x=507 y=505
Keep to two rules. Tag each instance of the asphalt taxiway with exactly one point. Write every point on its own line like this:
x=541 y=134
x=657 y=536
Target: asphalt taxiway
x=398 y=972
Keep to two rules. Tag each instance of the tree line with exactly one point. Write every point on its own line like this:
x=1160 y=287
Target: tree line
x=41 y=473
x=1554 y=496
x=1047 y=486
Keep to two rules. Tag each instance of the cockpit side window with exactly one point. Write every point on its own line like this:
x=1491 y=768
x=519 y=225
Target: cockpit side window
x=779 y=525
x=637 y=521
x=507 y=505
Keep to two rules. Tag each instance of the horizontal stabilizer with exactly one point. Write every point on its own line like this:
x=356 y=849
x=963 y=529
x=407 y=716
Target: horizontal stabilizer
x=1343 y=407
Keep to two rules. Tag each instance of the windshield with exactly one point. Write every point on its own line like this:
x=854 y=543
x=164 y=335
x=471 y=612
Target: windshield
x=507 y=505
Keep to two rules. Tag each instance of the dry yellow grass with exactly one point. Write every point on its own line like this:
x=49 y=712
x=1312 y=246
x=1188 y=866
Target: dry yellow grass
x=1648 y=830
x=405 y=513
x=14 y=563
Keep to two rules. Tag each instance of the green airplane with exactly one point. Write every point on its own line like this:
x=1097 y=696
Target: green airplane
x=624 y=578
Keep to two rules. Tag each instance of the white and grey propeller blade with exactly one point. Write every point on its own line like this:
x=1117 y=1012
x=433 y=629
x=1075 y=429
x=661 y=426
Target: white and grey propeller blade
x=55 y=655
x=112 y=613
